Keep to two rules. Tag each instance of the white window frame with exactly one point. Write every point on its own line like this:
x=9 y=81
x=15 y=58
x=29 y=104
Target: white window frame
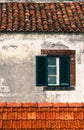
x=57 y=72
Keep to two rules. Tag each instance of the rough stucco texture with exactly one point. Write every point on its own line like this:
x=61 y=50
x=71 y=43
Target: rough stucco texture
x=42 y=116
x=17 y=66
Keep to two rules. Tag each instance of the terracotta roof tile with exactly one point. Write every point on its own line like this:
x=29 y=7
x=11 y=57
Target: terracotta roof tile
x=42 y=17
x=41 y=116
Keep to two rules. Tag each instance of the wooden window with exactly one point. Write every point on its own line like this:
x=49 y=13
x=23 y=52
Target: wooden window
x=56 y=68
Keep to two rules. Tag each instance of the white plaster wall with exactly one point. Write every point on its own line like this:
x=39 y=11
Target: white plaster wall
x=17 y=66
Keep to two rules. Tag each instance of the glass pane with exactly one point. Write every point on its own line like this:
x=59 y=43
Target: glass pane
x=51 y=60
x=51 y=70
x=51 y=80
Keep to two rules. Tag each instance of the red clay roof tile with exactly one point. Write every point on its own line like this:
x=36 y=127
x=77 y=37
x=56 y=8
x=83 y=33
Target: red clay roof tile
x=42 y=17
x=41 y=116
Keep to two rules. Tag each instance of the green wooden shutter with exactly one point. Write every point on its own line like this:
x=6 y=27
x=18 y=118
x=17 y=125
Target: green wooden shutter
x=65 y=70
x=41 y=66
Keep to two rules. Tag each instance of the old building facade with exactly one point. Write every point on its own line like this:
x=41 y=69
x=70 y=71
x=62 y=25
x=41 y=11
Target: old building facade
x=25 y=30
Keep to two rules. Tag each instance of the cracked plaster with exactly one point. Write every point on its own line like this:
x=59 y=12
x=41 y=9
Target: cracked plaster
x=17 y=66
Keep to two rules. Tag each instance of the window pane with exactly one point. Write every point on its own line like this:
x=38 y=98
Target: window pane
x=51 y=70
x=51 y=60
x=51 y=80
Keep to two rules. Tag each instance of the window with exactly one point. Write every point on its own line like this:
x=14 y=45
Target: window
x=56 y=69
x=53 y=70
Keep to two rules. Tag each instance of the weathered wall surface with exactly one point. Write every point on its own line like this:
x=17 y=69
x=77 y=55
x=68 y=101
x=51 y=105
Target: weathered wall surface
x=17 y=66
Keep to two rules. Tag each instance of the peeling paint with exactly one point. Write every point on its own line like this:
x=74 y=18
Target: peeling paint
x=3 y=88
x=17 y=66
x=52 y=45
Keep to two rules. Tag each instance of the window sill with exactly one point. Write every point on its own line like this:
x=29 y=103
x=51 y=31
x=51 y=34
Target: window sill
x=58 y=88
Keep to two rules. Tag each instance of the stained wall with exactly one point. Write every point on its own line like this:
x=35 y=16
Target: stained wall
x=17 y=66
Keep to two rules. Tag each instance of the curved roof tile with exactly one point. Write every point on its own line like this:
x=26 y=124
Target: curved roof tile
x=42 y=17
